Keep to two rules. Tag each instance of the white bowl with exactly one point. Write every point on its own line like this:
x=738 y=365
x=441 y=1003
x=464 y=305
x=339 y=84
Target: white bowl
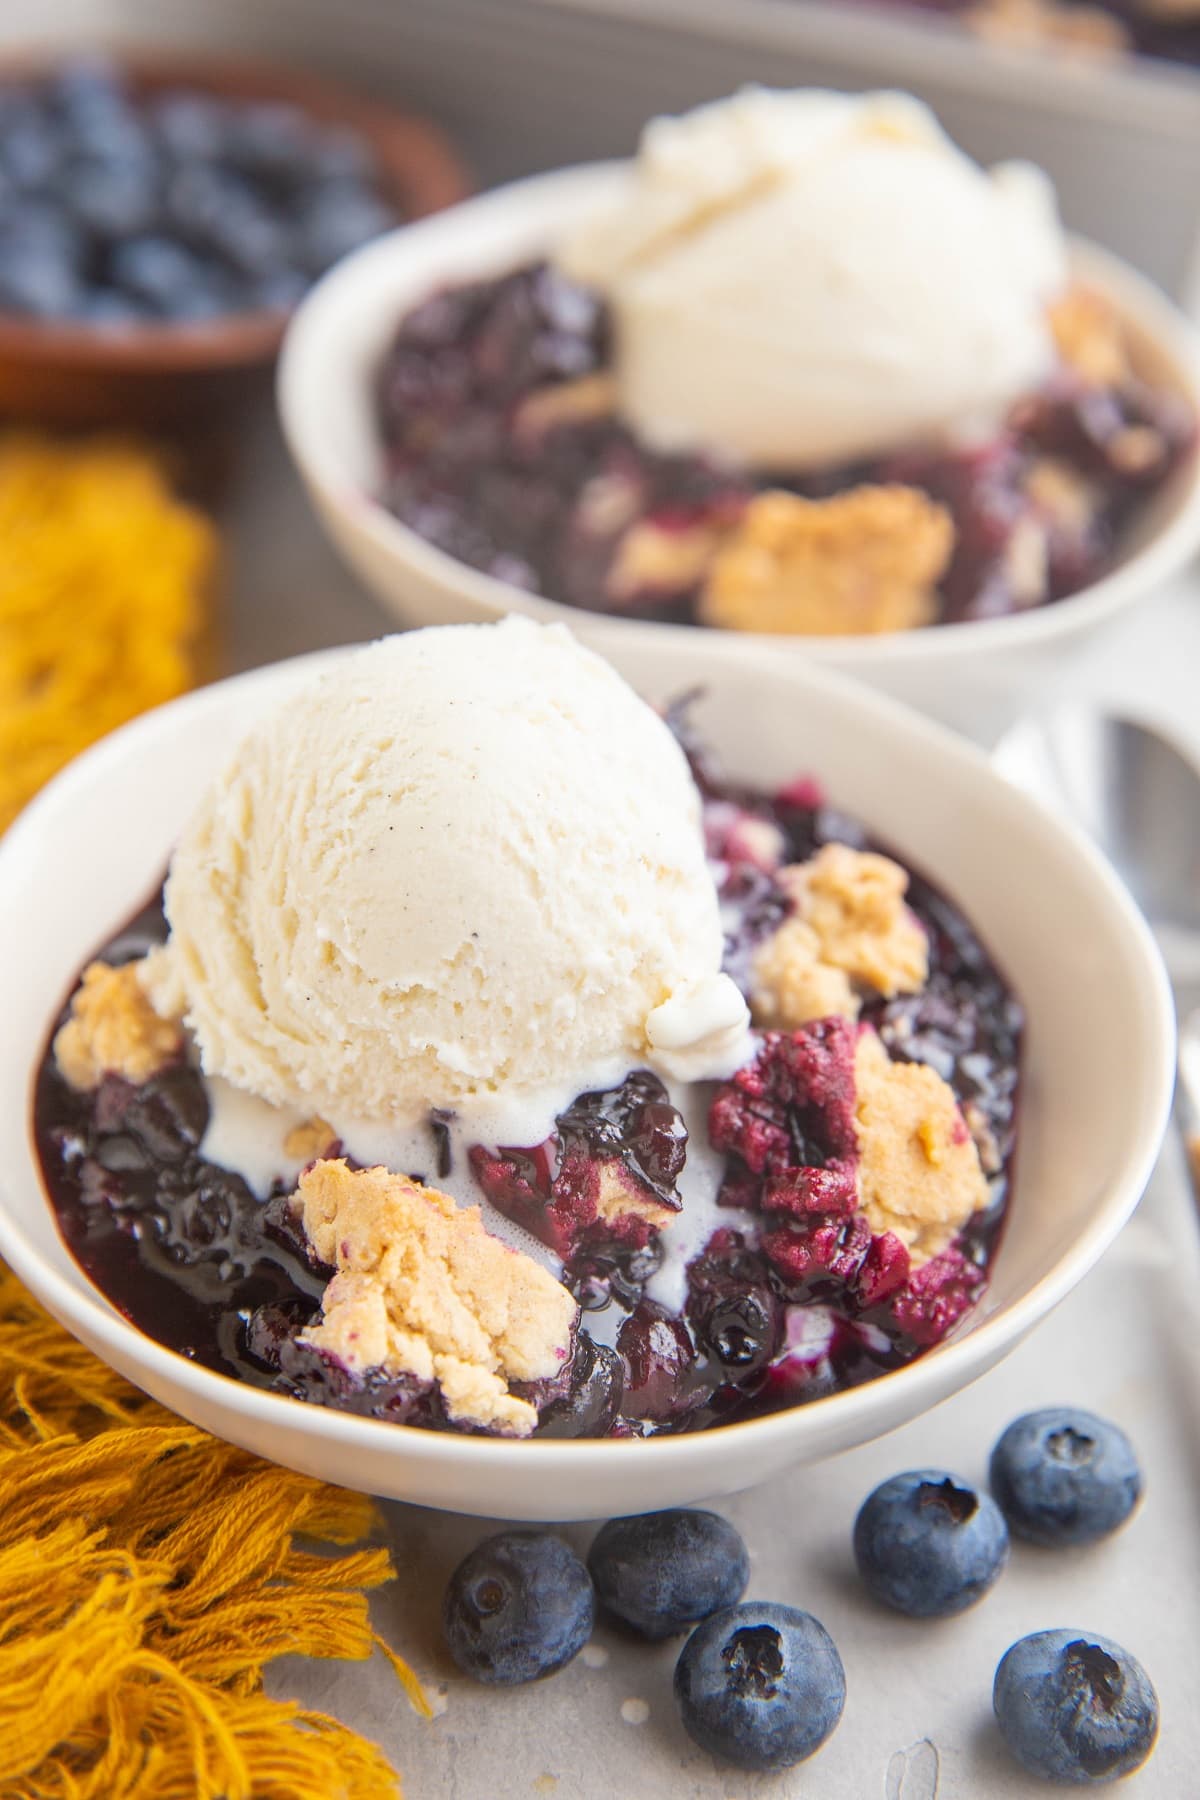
x=1097 y=1082
x=342 y=329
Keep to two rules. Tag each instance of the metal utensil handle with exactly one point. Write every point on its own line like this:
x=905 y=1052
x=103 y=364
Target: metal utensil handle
x=1187 y=1088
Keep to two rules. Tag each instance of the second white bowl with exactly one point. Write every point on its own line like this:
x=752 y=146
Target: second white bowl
x=326 y=403
x=1097 y=1069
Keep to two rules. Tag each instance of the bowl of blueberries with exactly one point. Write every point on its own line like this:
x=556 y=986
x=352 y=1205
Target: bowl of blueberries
x=161 y=216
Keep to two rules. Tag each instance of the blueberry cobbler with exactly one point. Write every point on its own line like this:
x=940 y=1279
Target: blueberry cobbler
x=812 y=372
x=709 y=1112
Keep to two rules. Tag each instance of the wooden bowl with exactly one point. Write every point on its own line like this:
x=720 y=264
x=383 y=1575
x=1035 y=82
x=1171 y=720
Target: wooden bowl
x=165 y=375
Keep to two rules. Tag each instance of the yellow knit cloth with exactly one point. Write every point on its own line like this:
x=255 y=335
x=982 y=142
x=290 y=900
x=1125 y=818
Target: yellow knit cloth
x=106 y=588
x=147 y=1572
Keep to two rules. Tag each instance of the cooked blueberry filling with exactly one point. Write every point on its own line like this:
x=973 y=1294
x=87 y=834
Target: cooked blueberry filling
x=1151 y=28
x=790 y=1294
x=502 y=450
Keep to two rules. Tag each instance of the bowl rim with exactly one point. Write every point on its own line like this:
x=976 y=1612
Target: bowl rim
x=555 y=195
x=83 y=1310
x=418 y=169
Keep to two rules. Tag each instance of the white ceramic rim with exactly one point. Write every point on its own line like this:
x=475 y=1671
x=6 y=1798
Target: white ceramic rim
x=1148 y=311
x=684 y=1456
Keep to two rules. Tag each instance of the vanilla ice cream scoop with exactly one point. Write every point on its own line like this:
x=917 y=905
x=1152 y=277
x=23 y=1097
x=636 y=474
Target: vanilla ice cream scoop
x=465 y=863
x=799 y=279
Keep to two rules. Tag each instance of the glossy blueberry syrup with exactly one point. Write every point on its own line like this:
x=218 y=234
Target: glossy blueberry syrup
x=791 y=1298
x=546 y=508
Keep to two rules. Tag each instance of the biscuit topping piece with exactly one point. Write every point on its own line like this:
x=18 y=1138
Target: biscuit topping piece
x=919 y=1174
x=422 y=1288
x=793 y=985
x=1036 y=24
x=850 y=926
x=310 y=1139
x=114 y=1030
x=867 y=560
x=854 y=901
x=1090 y=338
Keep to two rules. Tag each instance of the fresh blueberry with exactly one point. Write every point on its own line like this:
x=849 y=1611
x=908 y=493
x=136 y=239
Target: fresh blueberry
x=85 y=85
x=1074 y=1708
x=252 y=241
x=269 y=139
x=108 y=310
x=157 y=271
x=40 y=229
x=113 y=134
x=30 y=151
x=169 y=1114
x=281 y=291
x=760 y=1685
x=929 y=1544
x=661 y=1572
x=210 y=296
x=337 y=154
x=112 y=199
x=220 y=216
x=1063 y=1476
x=518 y=1607
x=340 y=217
x=197 y=197
x=38 y=284
x=191 y=127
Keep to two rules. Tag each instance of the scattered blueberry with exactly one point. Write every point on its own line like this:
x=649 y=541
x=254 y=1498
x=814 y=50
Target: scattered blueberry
x=518 y=1607
x=929 y=1544
x=1064 y=1476
x=1074 y=1708
x=760 y=1685
x=661 y=1572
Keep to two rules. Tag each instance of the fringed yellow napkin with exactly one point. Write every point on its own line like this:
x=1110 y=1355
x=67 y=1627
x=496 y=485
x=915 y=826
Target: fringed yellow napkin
x=147 y=1573
x=107 y=584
